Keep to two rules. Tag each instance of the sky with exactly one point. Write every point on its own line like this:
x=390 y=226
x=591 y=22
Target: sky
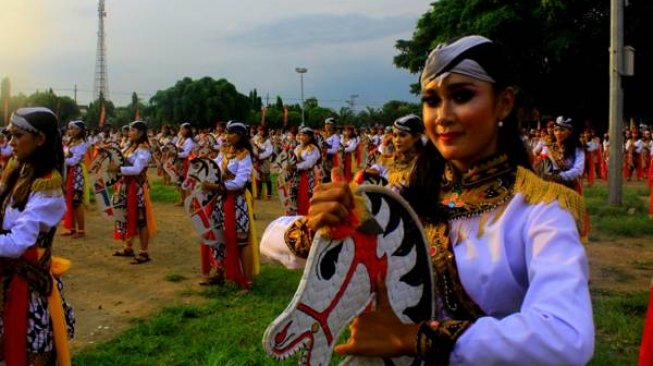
x=346 y=45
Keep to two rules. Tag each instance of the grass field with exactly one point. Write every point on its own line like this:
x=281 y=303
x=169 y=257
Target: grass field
x=227 y=330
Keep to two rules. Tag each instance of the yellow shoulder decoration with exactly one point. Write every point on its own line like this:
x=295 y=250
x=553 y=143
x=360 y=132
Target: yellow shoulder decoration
x=240 y=155
x=50 y=182
x=536 y=190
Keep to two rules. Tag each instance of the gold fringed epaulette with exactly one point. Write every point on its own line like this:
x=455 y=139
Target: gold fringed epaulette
x=242 y=154
x=536 y=190
x=50 y=182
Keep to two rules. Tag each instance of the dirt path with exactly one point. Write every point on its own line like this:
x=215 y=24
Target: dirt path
x=108 y=293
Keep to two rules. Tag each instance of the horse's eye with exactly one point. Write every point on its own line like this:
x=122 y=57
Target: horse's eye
x=328 y=262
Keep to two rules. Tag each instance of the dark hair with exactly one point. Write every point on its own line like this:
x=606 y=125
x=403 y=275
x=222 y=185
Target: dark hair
x=571 y=143
x=43 y=160
x=423 y=190
x=243 y=142
x=82 y=135
x=186 y=128
x=142 y=127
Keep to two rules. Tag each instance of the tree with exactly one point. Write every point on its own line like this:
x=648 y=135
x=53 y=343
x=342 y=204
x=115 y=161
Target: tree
x=557 y=48
x=200 y=102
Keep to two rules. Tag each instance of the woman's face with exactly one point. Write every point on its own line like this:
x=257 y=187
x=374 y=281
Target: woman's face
x=461 y=116
x=561 y=133
x=404 y=141
x=73 y=131
x=232 y=138
x=24 y=143
x=304 y=138
x=134 y=134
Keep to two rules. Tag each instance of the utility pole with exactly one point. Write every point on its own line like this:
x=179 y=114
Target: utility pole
x=75 y=93
x=615 y=178
x=352 y=101
x=267 y=99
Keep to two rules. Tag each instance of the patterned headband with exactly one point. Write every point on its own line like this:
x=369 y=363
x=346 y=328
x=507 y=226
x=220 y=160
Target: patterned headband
x=460 y=57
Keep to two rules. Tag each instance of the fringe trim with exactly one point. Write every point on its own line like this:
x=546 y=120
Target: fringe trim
x=50 y=182
x=536 y=190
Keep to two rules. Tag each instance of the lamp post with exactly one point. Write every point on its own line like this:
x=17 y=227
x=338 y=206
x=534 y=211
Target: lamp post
x=301 y=71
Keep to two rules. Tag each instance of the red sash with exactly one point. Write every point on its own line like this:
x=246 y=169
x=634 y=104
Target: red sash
x=303 y=198
x=15 y=316
x=68 y=217
x=589 y=159
x=347 y=167
x=233 y=268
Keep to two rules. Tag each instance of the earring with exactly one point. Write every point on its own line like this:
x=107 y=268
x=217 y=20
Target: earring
x=500 y=124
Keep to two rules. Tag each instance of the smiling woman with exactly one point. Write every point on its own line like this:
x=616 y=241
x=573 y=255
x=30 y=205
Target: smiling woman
x=510 y=272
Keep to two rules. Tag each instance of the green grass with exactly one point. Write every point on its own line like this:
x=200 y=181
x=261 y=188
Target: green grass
x=160 y=192
x=619 y=320
x=609 y=222
x=226 y=331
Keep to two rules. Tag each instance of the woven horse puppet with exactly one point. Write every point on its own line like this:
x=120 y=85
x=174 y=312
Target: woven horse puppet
x=199 y=204
x=384 y=238
x=169 y=164
x=285 y=159
x=107 y=155
x=206 y=146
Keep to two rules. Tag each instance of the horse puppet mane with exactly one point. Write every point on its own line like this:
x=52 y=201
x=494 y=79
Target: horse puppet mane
x=381 y=237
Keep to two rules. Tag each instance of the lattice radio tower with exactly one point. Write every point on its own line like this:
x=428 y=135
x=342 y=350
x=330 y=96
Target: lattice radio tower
x=101 y=84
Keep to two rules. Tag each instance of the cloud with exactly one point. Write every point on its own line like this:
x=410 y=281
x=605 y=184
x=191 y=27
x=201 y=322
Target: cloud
x=322 y=29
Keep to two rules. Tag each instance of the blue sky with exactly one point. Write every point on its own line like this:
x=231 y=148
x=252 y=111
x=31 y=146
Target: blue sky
x=347 y=46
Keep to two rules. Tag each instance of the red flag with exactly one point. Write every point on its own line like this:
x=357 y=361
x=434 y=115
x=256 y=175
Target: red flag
x=103 y=115
x=285 y=116
x=646 y=348
x=264 y=110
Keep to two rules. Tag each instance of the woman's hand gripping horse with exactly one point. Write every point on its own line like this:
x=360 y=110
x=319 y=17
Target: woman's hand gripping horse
x=371 y=247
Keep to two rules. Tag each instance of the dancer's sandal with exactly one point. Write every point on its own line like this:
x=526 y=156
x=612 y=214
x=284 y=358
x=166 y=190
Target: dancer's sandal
x=67 y=233
x=141 y=258
x=124 y=253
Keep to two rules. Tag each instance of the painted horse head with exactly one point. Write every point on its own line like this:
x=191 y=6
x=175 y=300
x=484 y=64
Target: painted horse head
x=201 y=170
x=285 y=157
x=338 y=283
x=169 y=152
x=206 y=146
x=107 y=154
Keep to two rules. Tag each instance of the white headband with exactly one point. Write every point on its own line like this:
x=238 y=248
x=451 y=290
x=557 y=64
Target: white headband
x=22 y=123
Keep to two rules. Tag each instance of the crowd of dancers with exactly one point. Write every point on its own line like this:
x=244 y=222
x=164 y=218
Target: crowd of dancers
x=247 y=158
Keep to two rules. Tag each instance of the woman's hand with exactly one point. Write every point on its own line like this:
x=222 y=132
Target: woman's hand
x=208 y=186
x=113 y=168
x=331 y=202
x=379 y=332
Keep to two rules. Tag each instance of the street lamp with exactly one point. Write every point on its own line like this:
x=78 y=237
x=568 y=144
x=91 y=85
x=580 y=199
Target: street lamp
x=301 y=71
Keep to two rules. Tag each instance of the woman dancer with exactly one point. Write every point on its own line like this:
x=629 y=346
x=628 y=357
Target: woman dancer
x=565 y=158
x=133 y=197
x=77 y=181
x=36 y=321
x=303 y=178
x=407 y=140
x=511 y=274
x=185 y=146
x=237 y=245
x=263 y=156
